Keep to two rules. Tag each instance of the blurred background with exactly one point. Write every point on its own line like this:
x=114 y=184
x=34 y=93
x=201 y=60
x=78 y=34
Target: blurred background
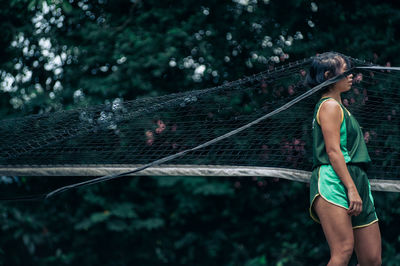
x=63 y=54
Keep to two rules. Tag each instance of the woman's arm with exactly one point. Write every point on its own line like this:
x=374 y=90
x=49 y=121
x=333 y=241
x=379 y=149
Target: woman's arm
x=330 y=118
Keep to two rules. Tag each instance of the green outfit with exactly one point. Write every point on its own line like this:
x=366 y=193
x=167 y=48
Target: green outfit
x=324 y=180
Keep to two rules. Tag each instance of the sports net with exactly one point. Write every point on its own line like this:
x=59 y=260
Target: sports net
x=224 y=121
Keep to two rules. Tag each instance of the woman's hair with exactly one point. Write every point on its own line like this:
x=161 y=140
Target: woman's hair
x=329 y=61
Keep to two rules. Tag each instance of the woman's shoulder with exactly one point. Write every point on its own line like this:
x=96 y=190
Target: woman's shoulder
x=329 y=108
x=330 y=103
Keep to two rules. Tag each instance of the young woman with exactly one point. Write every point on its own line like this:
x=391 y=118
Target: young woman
x=340 y=192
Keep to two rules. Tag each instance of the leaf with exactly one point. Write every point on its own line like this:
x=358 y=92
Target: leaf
x=31 y=5
x=193 y=181
x=124 y=210
x=66 y=7
x=216 y=189
x=95 y=199
x=149 y=224
x=117 y=225
x=168 y=181
x=258 y=261
x=94 y=219
x=186 y=240
x=99 y=216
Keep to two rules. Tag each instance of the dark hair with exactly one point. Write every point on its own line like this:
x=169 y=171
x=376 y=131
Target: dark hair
x=329 y=61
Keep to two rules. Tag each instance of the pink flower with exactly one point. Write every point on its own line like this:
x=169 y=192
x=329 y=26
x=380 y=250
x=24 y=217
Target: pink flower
x=45 y=231
x=346 y=102
x=388 y=64
x=366 y=137
x=149 y=134
x=290 y=90
x=358 y=78
x=237 y=184
x=161 y=126
x=149 y=142
x=160 y=123
x=264 y=147
x=264 y=85
x=265 y=90
x=265 y=156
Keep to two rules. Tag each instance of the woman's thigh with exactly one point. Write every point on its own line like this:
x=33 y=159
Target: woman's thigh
x=336 y=224
x=368 y=242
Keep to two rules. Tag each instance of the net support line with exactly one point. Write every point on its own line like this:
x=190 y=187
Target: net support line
x=187 y=170
x=380 y=68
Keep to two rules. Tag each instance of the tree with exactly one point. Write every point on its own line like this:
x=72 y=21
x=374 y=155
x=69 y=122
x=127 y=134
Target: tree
x=64 y=54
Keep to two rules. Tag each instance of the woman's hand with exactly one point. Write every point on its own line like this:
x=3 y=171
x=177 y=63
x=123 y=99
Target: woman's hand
x=355 y=206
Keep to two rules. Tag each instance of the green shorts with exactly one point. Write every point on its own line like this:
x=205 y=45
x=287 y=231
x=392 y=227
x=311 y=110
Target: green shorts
x=325 y=183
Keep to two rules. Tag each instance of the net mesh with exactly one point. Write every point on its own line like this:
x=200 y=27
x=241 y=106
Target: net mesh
x=144 y=130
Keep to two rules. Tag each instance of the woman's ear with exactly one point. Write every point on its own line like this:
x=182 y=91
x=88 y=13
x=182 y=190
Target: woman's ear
x=327 y=74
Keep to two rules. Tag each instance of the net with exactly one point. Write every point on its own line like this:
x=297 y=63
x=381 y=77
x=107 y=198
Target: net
x=215 y=131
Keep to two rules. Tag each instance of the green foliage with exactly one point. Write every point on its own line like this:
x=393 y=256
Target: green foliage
x=130 y=49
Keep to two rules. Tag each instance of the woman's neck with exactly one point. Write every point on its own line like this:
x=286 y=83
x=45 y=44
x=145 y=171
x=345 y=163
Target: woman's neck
x=334 y=95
